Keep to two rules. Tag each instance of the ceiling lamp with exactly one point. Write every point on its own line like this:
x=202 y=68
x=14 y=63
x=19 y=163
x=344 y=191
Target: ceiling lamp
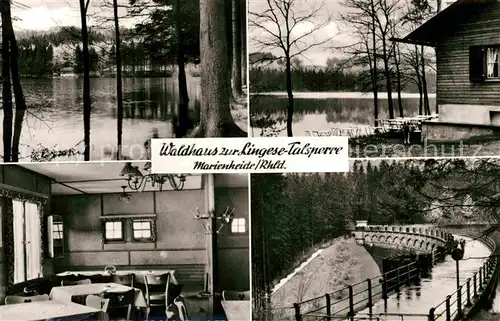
x=124 y=196
x=137 y=181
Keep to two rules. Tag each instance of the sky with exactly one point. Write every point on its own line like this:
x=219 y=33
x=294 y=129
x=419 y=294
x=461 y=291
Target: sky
x=42 y=15
x=327 y=18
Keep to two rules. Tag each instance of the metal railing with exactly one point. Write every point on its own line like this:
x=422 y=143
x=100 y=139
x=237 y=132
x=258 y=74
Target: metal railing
x=347 y=301
x=455 y=305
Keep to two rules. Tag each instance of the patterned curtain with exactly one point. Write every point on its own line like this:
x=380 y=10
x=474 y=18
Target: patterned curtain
x=8 y=227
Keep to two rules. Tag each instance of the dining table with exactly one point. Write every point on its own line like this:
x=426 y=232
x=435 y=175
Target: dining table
x=45 y=310
x=138 y=273
x=78 y=293
x=237 y=310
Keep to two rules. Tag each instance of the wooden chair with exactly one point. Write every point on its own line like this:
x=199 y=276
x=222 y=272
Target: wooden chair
x=80 y=282
x=128 y=279
x=235 y=295
x=172 y=313
x=118 y=302
x=157 y=291
x=181 y=306
x=15 y=299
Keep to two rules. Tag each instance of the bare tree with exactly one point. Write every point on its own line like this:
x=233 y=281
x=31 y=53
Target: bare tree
x=10 y=56
x=277 y=23
x=379 y=17
x=86 y=79
x=364 y=51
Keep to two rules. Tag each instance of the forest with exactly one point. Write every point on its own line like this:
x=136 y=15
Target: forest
x=294 y=214
x=47 y=54
x=322 y=80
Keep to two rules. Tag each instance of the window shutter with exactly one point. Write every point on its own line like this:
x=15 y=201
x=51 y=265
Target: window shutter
x=477 y=64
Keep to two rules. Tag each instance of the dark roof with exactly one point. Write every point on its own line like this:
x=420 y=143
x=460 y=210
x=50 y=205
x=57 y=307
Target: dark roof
x=436 y=29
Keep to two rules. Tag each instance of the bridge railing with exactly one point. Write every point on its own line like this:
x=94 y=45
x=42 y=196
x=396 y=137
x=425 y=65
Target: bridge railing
x=456 y=304
x=356 y=297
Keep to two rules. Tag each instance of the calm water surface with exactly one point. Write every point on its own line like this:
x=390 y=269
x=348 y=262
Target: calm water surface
x=323 y=111
x=55 y=113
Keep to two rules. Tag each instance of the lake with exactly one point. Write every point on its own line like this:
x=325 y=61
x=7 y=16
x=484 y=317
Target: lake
x=55 y=113
x=323 y=111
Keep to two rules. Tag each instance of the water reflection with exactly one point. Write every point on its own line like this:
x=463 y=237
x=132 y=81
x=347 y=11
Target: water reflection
x=316 y=113
x=55 y=112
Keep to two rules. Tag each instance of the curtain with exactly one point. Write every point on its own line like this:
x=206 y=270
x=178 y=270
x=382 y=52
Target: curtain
x=492 y=62
x=19 y=241
x=33 y=241
x=27 y=241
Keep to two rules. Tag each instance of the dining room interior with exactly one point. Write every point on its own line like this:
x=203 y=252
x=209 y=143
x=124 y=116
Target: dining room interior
x=113 y=241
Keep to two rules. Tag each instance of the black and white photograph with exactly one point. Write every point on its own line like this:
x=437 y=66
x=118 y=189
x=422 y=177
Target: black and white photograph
x=390 y=240
x=91 y=80
x=399 y=78
x=111 y=241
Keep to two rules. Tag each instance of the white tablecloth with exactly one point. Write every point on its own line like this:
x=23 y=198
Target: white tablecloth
x=69 y=293
x=237 y=310
x=138 y=273
x=43 y=310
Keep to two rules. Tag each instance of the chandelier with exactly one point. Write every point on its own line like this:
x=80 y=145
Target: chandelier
x=137 y=181
x=124 y=196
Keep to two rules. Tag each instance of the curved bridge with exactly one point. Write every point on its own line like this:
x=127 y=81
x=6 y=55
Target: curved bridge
x=419 y=238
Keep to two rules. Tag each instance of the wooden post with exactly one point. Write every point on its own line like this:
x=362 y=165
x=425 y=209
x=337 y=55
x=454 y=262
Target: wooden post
x=432 y=316
x=468 y=293
x=459 y=301
x=385 y=295
x=475 y=285
x=448 y=310
x=298 y=316
x=370 y=299
x=351 y=302
x=408 y=276
x=480 y=278
x=397 y=280
x=328 y=305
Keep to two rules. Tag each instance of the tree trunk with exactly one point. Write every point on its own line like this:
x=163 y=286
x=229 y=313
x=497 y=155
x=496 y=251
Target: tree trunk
x=119 y=93
x=18 y=93
x=215 y=110
x=424 y=84
x=183 y=121
x=375 y=76
x=6 y=86
x=86 y=81
x=289 y=118
x=397 y=60
x=243 y=7
x=236 y=34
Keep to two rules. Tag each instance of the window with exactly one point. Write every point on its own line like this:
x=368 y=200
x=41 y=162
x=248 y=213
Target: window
x=57 y=229
x=55 y=236
x=484 y=63
x=125 y=228
x=142 y=230
x=27 y=241
x=238 y=225
x=113 y=231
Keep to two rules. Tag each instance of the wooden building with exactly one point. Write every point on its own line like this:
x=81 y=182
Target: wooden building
x=466 y=37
